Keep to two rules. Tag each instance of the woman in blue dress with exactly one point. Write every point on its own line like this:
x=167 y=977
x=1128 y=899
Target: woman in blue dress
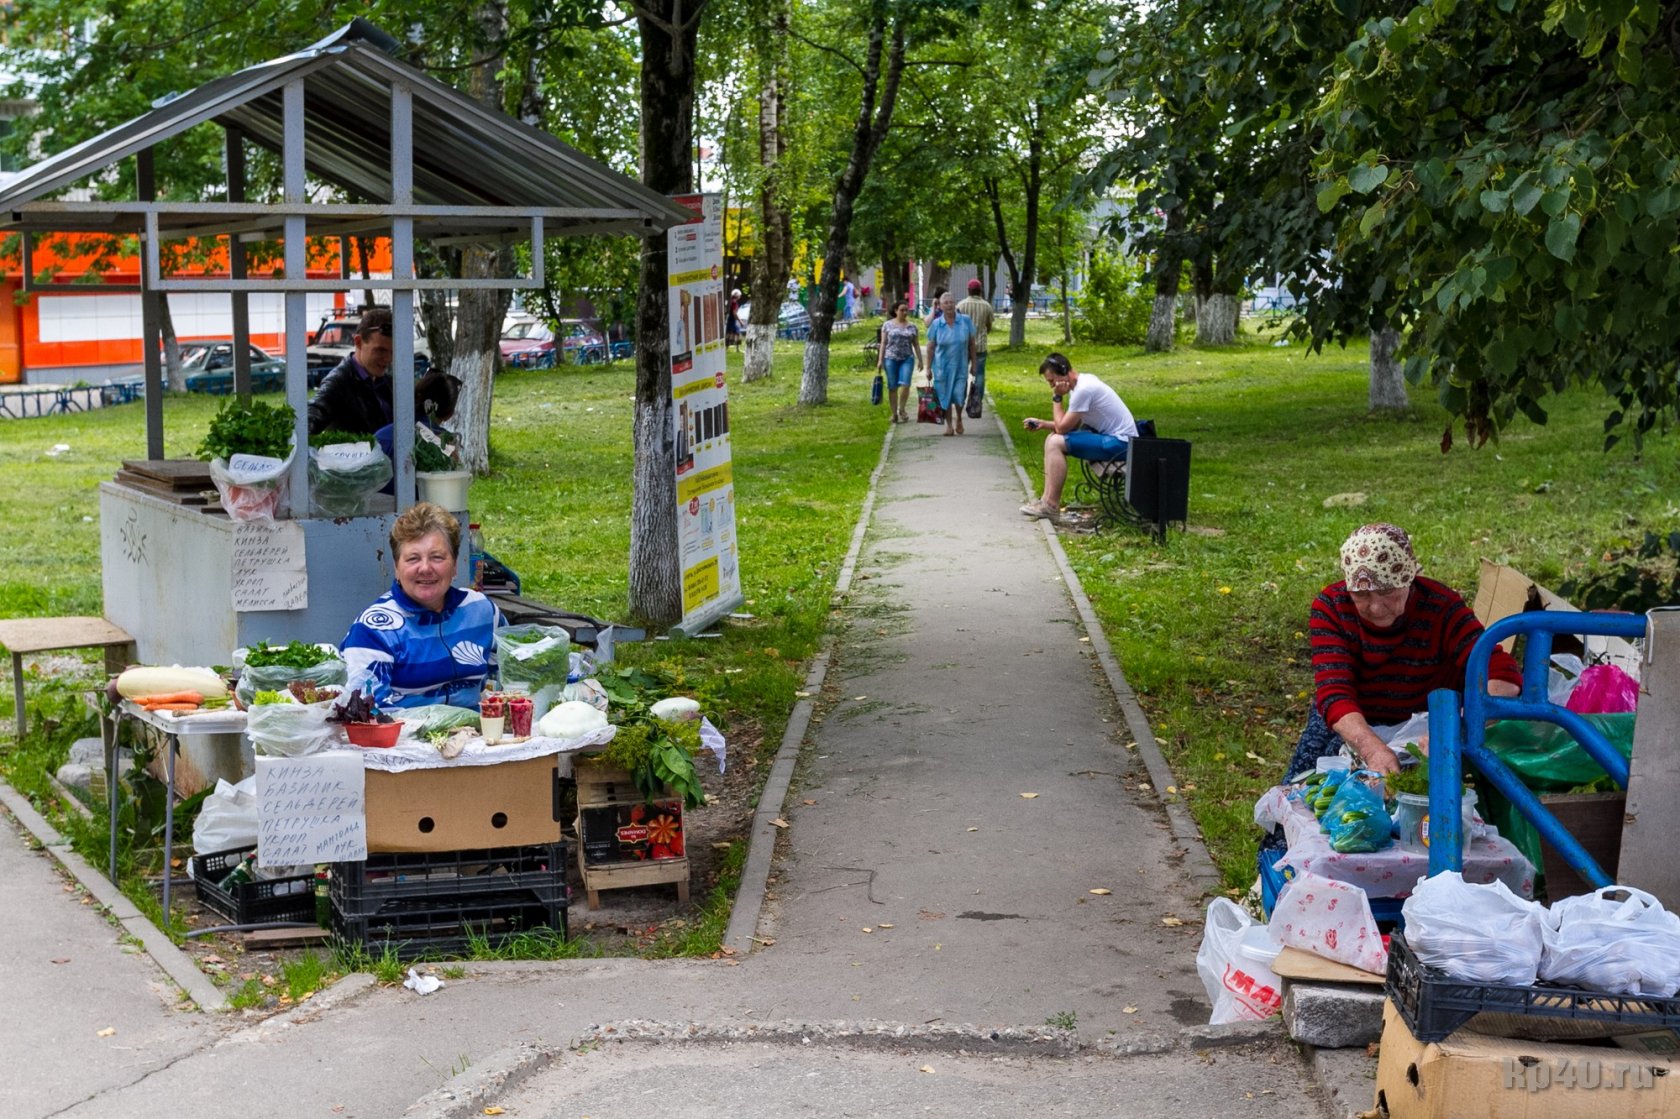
x=950 y=360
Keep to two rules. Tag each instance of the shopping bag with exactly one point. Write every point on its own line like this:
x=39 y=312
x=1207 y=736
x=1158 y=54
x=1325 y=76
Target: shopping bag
x=1603 y=689
x=1481 y=934
x=974 y=399
x=1238 y=982
x=1617 y=939
x=227 y=818
x=292 y=730
x=876 y=388
x=927 y=407
x=1329 y=918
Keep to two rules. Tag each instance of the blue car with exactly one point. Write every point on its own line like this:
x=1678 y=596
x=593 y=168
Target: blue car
x=209 y=369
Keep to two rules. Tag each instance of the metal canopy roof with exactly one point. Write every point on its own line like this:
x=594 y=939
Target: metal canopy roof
x=465 y=155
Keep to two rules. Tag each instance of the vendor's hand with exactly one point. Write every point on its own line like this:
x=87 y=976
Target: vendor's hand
x=1031 y=423
x=1379 y=759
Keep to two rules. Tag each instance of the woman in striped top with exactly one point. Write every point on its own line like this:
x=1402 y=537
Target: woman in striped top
x=1383 y=638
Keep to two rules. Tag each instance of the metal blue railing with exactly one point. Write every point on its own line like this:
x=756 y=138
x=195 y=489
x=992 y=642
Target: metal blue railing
x=1454 y=740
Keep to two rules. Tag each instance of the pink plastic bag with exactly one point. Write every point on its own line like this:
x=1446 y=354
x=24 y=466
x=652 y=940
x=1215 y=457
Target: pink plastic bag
x=1331 y=919
x=1603 y=689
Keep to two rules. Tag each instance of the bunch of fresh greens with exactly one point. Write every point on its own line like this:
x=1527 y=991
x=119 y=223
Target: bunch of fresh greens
x=659 y=754
x=263 y=699
x=359 y=708
x=333 y=437
x=293 y=654
x=549 y=664
x=257 y=428
x=436 y=456
x=1412 y=778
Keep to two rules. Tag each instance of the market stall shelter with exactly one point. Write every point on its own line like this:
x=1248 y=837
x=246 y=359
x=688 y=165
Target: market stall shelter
x=404 y=157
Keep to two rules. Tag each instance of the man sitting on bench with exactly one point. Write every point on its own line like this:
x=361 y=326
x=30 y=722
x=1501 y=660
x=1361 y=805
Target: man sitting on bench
x=1095 y=425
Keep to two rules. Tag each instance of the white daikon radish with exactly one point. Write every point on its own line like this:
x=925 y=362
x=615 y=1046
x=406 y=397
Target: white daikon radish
x=144 y=680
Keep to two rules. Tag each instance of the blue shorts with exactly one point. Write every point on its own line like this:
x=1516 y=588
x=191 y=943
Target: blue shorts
x=899 y=371
x=1095 y=447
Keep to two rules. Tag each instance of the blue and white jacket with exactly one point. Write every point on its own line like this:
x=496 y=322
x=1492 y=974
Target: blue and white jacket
x=408 y=656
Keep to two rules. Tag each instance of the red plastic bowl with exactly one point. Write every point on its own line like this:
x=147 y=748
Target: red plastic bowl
x=380 y=736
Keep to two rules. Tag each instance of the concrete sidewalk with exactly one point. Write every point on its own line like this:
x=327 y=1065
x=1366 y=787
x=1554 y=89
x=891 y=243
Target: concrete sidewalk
x=930 y=931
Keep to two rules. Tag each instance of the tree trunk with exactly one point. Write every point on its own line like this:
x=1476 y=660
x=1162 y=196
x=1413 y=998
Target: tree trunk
x=1216 y=319
x=769 y=270
x=873 y=121
x=1162 y=321
x=668 y=31
x=174 y=377
x=1388 y=382
x=361 y=246
x=478 y=326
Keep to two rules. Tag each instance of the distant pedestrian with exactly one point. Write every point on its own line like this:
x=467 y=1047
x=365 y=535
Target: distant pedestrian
x=900 y=358
x=793 y=289
x=848 y=300
x=933 y=307
x=979 y=309
x=732 y=323
x=1095 y=425
x=950 y=360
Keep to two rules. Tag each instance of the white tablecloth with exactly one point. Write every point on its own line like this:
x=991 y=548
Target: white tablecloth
x=412 y=752
x=1393 y=871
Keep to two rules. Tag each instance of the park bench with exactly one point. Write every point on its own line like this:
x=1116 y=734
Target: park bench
x=1149 y=489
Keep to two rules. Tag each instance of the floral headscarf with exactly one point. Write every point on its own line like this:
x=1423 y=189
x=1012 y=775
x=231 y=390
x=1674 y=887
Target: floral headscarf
x=1378 y=557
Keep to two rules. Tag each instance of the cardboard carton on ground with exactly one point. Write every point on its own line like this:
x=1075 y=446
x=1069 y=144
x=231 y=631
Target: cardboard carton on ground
x=1475 y=1076
x=466 y=807
x=1503 y=590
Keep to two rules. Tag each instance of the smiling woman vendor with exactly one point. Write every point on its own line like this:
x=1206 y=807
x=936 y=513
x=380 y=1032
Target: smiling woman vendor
x=424 y=641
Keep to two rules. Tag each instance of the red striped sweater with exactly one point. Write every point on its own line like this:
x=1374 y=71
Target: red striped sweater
x=1387 y=674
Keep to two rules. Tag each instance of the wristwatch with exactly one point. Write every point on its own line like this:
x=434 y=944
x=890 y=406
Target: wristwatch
x=1057 y=398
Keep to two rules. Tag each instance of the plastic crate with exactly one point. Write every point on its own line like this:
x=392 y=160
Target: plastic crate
x=1273 y=876
x=445 y=878
x=428 y=925
x=255 y=902
x=1434 y=1004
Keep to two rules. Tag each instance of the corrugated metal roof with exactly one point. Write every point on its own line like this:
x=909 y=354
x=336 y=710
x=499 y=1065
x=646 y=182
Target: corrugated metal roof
x=465 y=155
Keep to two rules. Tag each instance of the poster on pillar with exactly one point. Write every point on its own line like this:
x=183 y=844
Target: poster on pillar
x=711 y=575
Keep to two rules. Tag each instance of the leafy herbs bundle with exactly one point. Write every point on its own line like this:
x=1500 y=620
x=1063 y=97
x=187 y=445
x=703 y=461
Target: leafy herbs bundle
x=659 y=753
x=359 y=708
x=257 y=428
x=293 y=654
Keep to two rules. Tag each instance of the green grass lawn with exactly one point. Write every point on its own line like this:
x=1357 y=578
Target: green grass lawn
x=1209 y=627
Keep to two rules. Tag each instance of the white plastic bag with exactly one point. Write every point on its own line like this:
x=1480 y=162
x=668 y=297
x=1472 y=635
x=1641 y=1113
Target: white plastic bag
x=1330 y=919
x=228 y=818
x=1240 y=986
x=252 y=487
x=291 y=730
x=1617 y=939
x=1482 y=934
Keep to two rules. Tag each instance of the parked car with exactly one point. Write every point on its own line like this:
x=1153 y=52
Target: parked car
x=335 y=339
x=792 y=320
x=532 y=344
x=209 y=369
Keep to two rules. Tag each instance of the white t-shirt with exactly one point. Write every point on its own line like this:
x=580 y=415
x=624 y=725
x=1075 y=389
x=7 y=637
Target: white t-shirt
x=1100 y=408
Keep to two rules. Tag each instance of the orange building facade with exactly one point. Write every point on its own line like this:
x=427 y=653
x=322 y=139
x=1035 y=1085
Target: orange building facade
x=43 y=335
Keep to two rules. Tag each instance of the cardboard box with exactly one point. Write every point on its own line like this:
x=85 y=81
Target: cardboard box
x=1475 y=1076
x=460 y=808
x=631 y=832
x=1503 y=590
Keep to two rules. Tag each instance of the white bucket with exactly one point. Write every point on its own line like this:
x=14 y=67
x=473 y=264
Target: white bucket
x=446 y=488
x=1412 y=819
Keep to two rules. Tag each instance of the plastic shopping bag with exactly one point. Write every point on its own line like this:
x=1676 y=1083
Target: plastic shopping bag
x=1330 y=919
x=343 y=478
x=291 y=730
x=1239 y=984
x=1603 y=689
x=228 y=818
x=1617 y=939
x=1357 y=819
x=252 y=487
x=534 y=655
x=330 y=673
x=1482 y=934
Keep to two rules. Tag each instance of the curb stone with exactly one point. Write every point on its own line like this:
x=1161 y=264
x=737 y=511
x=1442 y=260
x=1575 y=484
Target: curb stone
x=175 y=963
x=472 y=1090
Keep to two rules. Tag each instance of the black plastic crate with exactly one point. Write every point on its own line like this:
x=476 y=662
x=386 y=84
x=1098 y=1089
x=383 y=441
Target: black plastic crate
x=255 y=902
x=441 y=879
x=426 y=926
x=1434 y=1004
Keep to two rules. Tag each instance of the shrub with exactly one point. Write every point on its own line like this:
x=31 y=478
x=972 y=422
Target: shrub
x=1115 y=305
x=1636 y=579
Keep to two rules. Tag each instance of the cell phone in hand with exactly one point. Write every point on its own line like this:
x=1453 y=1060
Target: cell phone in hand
x=1032 y=425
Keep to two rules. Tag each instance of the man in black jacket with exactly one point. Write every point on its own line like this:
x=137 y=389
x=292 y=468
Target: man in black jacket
x=356 y=395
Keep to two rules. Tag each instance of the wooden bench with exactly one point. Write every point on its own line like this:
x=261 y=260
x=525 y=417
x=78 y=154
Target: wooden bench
x=23 y=636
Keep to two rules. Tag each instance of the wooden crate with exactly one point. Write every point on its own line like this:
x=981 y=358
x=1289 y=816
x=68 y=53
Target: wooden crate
x=601 y=786
x=1595 y=819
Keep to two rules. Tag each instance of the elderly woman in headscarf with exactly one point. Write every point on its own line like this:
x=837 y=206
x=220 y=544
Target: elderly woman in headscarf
x=1383 y=638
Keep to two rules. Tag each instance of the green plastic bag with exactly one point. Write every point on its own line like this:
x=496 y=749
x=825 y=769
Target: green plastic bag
x=1547 y=757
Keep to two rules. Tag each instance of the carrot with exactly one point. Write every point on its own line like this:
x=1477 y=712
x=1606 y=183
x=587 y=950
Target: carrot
x=169 y=697
x=172 y=707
